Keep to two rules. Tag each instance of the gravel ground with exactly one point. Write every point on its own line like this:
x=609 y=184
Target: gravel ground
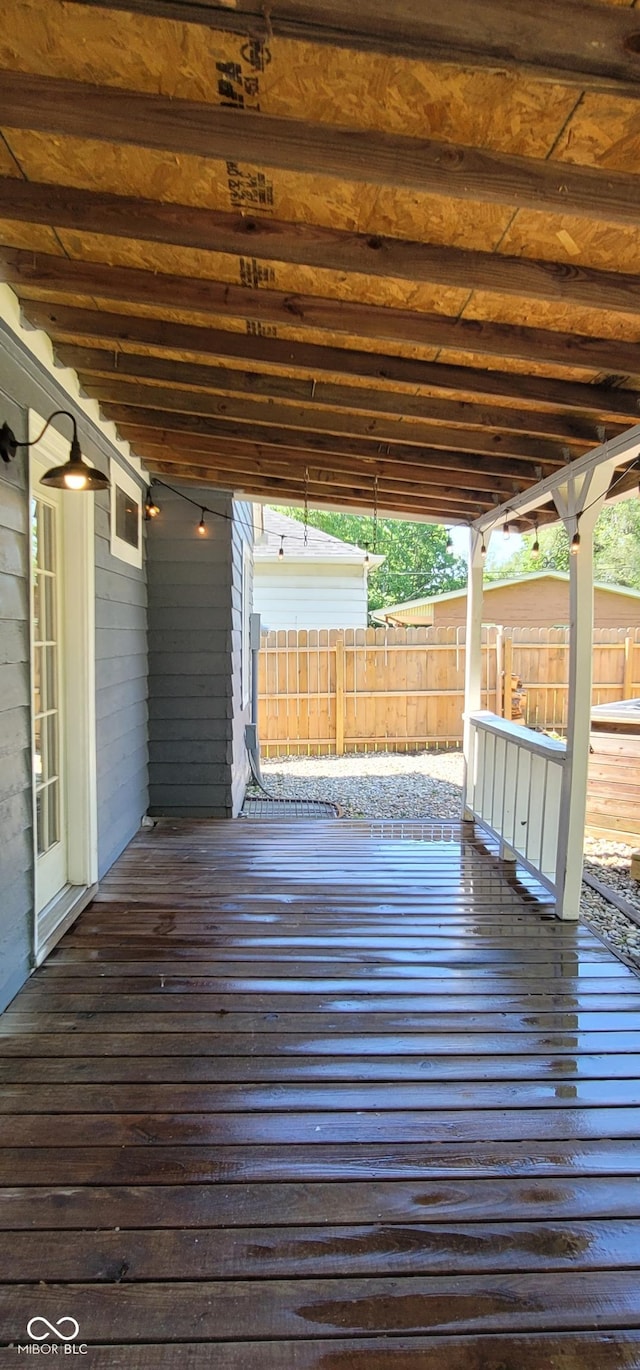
x=373 y=785
x=428 y=785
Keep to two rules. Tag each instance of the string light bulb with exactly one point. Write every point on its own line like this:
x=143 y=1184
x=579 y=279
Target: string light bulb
x=449 y=544
x=575 y=544
x=535 y=550
x=506 y=531
x=281 y=548
x=366 y=554
x=483 y=549
x=202 y=527
x=151 y=509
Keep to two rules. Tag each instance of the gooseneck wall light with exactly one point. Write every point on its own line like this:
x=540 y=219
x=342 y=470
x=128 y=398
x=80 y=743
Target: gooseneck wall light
x=75 y=474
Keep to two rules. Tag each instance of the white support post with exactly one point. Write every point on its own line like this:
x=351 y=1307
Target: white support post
x=579 y=509
x=473 y=650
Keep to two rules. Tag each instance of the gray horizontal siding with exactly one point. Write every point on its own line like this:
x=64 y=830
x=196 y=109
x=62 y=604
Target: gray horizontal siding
x=190 y=685
x=16 y=809
x=121 y=695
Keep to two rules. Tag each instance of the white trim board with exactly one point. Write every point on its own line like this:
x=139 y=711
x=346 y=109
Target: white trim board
x=120 y=548
x=39 y=344
x=78 y=567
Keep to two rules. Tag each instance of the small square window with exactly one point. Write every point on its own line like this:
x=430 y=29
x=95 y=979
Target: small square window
x=126 y=517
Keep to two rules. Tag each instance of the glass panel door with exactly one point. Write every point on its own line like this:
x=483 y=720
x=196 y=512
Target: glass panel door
x=47 y=718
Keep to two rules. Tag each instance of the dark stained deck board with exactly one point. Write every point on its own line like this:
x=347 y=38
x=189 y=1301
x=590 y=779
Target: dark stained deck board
x=111 y=1067
x=277 y=1309
x=343 y=1161
x=289 y=1129
x=371 y=965
x=474 y=1199
x=602 y=1350
x=372 y=1249
x=432 y=1048
x=339 y=1097
x=312 y=1097
x=504 y=1019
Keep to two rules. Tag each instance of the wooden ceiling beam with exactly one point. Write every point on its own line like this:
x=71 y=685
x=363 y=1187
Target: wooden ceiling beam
x=68 y=324
x=278 y=487
x=97 y=362
x=62 y=276
x=298 y=426
x=187 y=421
x=138 y=119
x=238 y=469
x=259 y=457
x=203 y=476
x=316 y=246
x=565 y=41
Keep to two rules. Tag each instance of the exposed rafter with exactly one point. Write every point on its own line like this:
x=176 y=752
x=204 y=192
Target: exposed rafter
x=187 y=421
x=322 y=424
x=342 y=401
x=566 y=41
x=66 y=322
x=107 y=113
x=35 y=272
x=286 y=391
x=316 y=246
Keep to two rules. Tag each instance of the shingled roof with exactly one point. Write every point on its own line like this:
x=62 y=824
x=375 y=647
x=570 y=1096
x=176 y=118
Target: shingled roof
x=320 y=546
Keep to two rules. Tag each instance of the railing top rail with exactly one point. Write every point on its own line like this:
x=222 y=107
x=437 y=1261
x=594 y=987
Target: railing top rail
x=526 y=738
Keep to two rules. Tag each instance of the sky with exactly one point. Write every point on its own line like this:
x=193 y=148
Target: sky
x=500 y=548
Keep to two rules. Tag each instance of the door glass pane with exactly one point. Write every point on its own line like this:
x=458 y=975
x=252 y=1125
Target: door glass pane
x=50 y=676
x=46 y=667
x=36 y=608
x=48 y=590
x=53 y=813
x=37 y=672
x=46 y=538
x=37 y=742
x=52 y=745
x=40 y=825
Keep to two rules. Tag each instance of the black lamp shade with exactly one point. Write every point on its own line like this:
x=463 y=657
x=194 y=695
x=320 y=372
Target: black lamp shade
x=75 y=474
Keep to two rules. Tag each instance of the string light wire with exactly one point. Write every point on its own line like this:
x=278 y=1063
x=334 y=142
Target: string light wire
x=291 y=537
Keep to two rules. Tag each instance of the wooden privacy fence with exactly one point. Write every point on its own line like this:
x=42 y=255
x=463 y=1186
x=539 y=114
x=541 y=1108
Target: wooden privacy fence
x=402 y=689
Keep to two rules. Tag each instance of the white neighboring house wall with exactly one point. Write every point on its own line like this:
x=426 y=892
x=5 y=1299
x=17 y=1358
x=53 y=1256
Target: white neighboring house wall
x=320 y=585
x=290 y=594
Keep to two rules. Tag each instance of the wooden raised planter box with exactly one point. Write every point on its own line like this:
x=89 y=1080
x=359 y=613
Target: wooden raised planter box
x=613 y=795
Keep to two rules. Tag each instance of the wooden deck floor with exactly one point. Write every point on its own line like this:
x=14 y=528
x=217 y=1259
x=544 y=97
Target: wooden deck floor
x=328 y=1098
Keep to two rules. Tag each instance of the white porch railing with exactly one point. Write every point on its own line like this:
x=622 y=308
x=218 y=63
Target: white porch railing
x=514 y=790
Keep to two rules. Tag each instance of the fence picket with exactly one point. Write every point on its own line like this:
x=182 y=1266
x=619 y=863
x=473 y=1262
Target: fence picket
x=403 y=687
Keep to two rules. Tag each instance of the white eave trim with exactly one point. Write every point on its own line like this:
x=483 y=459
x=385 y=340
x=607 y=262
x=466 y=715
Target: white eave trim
x=39 y=344
x=264 y=556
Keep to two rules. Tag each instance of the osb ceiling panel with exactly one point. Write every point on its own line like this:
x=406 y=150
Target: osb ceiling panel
x=324 y=200
x=292 y=79
x=509 y=113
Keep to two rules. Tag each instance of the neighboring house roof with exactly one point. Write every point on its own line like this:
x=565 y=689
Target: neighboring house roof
x=319 y=546
x=392 y=610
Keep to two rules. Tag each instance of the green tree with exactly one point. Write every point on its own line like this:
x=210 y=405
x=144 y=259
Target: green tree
x=616 y=548
x=416 y=558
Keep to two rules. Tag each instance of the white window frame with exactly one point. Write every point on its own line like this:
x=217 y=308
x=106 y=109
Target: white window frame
x=119 y=548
